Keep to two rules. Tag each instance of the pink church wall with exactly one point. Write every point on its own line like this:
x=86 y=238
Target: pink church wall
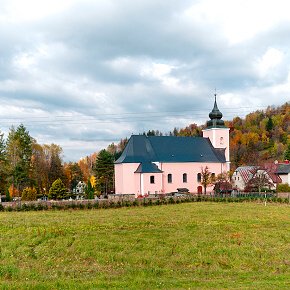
x=118 y=178
x=125 y=181
x=191 y=169
x=149 y=188
x=129 y=182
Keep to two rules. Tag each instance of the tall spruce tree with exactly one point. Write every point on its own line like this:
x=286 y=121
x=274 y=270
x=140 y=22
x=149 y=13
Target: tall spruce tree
x=89 y=190
x=104 y=172
x=19 y=152
x=3 y=165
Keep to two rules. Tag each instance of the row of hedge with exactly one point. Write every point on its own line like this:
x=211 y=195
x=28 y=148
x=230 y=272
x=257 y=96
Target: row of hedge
x=137 y=202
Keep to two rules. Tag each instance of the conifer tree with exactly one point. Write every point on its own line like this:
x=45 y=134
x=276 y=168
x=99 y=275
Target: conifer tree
x=57 y=190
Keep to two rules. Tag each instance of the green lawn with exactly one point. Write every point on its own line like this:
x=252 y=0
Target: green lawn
x=180 y=246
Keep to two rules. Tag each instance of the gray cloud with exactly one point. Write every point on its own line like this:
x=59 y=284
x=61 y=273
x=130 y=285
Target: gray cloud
x=92 y=72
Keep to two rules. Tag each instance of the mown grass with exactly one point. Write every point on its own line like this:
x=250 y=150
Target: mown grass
x=180 y=246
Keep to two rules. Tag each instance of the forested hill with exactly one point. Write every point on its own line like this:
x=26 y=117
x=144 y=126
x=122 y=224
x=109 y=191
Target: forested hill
x=262 y=136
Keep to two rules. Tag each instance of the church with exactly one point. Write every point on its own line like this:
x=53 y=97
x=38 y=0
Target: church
x=162 y=164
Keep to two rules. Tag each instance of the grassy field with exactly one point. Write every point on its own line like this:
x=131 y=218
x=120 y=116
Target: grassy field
x=181 y=246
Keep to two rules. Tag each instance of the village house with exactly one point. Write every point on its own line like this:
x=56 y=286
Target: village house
x=163 y=164
x=243 y=175
x=283 y=170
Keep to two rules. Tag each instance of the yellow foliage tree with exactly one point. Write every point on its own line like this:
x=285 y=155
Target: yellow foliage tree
x=93 y=181
x=29 y=193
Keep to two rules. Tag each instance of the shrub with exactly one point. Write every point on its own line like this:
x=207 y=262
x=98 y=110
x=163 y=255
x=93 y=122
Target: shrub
x=29 y=193
x=283 y=187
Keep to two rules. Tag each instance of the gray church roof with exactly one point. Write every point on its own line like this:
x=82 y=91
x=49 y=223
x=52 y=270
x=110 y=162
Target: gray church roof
x=144 y=149
x=148 y=167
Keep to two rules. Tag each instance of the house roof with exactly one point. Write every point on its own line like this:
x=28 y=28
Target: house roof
x=170 y=149
x=247 y=172
x=283 y=168
x=148 y=167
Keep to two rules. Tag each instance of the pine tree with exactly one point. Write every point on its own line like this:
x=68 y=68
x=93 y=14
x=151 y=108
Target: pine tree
x=89 y=190
x=104 y=171
x=3 y=164
x=19 y=153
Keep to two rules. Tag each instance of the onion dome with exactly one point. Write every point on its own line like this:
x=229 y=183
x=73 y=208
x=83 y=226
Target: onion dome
x=215 y=117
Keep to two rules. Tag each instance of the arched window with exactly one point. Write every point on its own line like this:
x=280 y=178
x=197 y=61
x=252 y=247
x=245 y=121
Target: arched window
x=169 y=178
x=184 y=177
x=213 y=175
x=152 y=179
x=199 y=177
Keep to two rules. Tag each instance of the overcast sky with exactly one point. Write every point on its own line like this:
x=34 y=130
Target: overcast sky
x=83 y=74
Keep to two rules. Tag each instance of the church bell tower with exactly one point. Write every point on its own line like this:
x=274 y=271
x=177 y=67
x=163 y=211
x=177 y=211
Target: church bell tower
x=217 y=132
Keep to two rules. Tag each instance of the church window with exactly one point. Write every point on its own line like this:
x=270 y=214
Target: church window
x=184 y=177
x=199 y=177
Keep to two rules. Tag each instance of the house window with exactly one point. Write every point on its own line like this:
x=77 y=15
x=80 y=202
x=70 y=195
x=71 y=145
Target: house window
x=199 y=177
x=213 y=175
x=169 y=178
x=184 y=177
x=152 y=179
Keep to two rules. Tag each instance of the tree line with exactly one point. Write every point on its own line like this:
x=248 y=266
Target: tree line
x=30 y=170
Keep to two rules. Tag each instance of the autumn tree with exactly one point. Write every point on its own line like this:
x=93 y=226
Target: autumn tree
x=86 y=165
x=55 y=170
x=223 y=182
x=206 y=178
x=29 y=193
x=73 y=174
x=260 y=180
x=40 y=167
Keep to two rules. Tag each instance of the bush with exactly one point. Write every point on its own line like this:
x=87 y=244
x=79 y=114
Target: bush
x=283 y=187
x=29 y=193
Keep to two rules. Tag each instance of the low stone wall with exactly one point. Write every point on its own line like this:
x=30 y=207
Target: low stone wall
x=283 y=194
